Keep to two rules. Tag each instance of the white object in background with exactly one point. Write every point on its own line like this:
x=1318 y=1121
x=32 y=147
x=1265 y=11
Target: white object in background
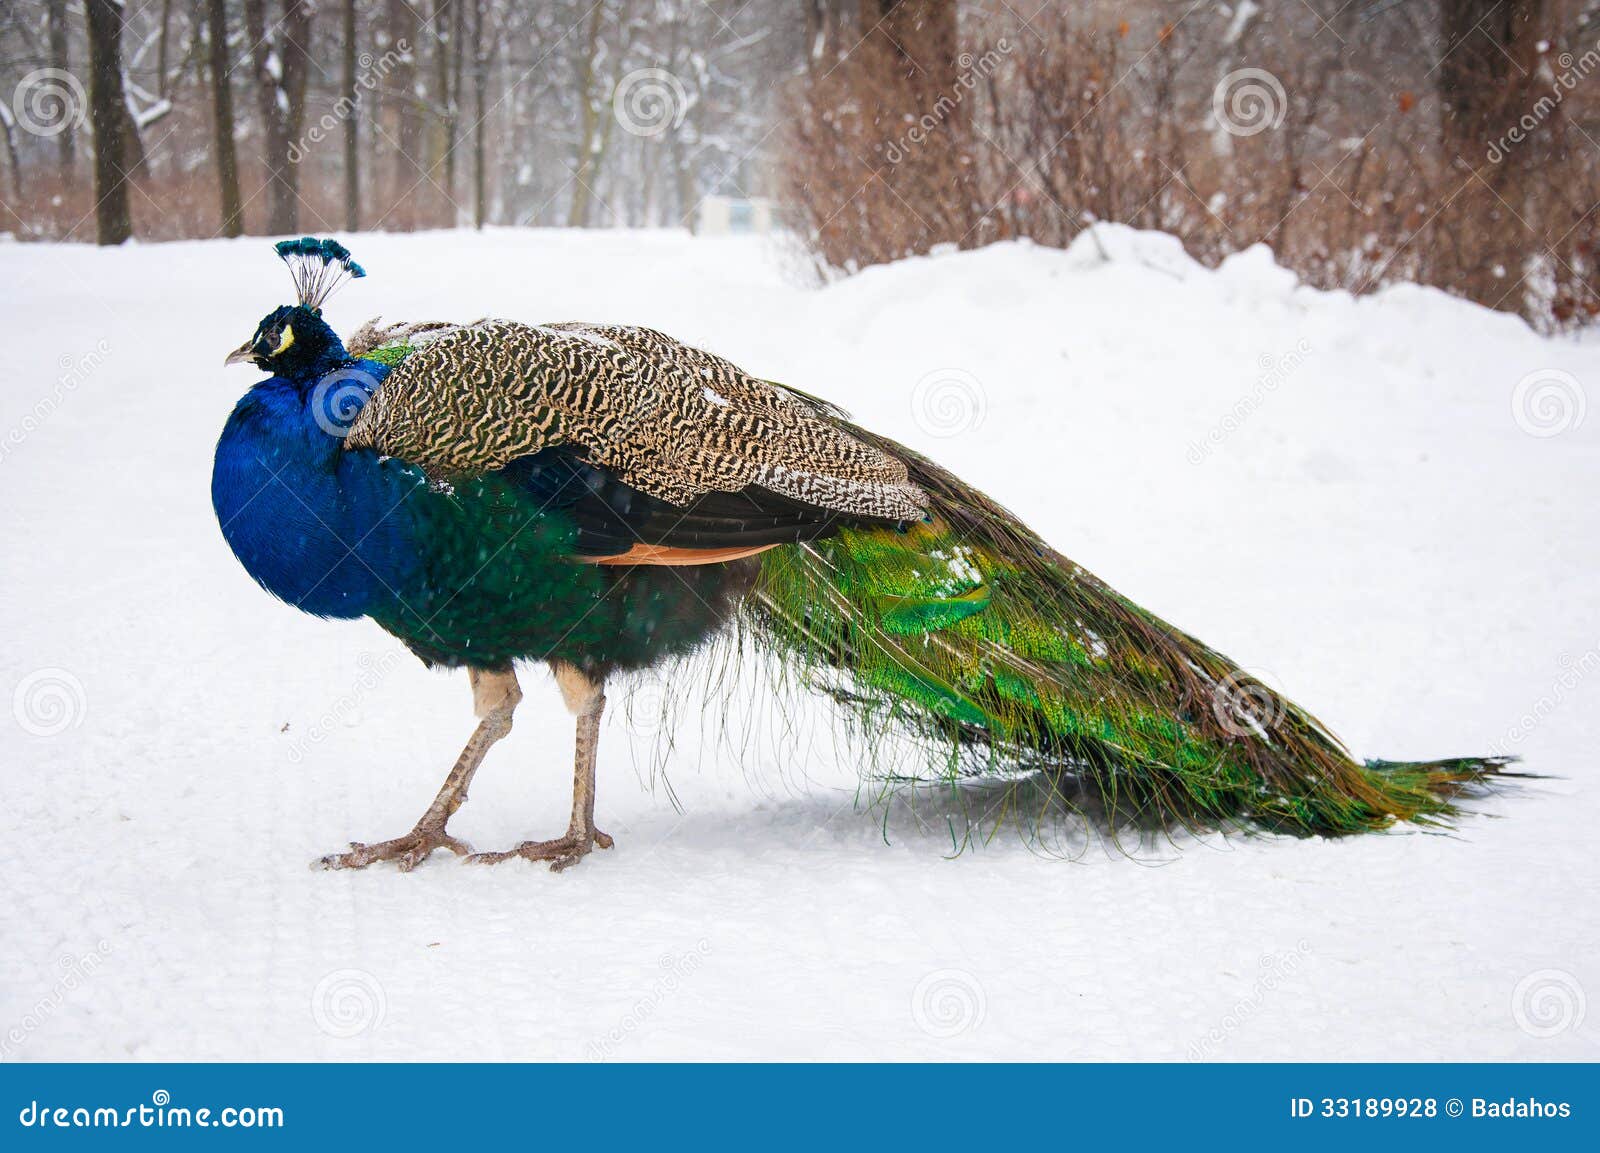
x=735 y=215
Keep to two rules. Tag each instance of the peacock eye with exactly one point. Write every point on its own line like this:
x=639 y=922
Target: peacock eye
x=285 y=341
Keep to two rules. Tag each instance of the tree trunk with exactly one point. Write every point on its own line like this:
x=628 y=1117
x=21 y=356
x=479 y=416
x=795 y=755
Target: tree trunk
x=444 y=171
x=8 y=128
x=281 y=63
x=59 y=59
x=408 y=170
x=352 y=134
x=588 y=144
x=222 y=117
x=458 y=30
x=108 y=115
x=161 y=48
x=480 y=83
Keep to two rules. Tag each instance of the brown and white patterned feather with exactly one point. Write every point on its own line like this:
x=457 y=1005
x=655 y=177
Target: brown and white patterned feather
x=668 y=419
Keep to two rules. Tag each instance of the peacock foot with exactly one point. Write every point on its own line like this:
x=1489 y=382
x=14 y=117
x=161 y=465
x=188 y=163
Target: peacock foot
x=408 y=851
x=562 y=853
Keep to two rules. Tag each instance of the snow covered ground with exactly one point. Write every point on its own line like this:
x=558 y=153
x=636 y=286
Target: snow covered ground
x=1351 y=497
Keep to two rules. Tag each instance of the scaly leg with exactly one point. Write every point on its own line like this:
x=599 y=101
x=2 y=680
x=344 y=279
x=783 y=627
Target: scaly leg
x=495 y=694
x=586 y=699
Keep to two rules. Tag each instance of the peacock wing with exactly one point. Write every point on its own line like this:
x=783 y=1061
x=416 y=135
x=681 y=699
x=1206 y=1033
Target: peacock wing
x=669 y=421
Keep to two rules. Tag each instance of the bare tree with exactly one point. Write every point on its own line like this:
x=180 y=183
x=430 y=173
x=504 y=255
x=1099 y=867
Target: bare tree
x=108 y=115
x=280 y=59
x=401 y=93
x=593 y=132
x=56 y=18
x=227 y=156
x=352 y=123
x=480 y=82
x=446 y=14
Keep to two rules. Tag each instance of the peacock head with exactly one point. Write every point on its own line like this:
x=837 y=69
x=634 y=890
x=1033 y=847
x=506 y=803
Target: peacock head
x=294 y=341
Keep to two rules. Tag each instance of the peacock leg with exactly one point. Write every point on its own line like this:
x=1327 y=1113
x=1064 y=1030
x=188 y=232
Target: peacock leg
x=586 y=699
x=495 y=694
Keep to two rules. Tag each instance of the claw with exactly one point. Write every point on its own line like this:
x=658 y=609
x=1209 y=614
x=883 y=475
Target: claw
x=561 y=853
x=408 y=851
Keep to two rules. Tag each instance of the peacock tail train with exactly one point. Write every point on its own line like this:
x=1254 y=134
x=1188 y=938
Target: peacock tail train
x=1009 y=661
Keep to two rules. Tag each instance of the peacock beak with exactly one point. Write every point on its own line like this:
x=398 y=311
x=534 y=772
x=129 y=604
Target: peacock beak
x=244 y=354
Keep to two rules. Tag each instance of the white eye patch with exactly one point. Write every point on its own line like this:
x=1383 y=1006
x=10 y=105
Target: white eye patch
x=285 y=342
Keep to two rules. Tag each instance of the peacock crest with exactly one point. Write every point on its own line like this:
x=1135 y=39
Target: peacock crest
x=318 y=267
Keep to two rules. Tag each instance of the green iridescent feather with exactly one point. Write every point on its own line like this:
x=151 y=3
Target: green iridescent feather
x=1010 y=661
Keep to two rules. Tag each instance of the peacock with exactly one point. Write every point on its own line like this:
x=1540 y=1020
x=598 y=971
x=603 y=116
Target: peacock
x=605 y=499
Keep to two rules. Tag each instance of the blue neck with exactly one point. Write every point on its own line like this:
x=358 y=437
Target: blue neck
x=313 y=524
